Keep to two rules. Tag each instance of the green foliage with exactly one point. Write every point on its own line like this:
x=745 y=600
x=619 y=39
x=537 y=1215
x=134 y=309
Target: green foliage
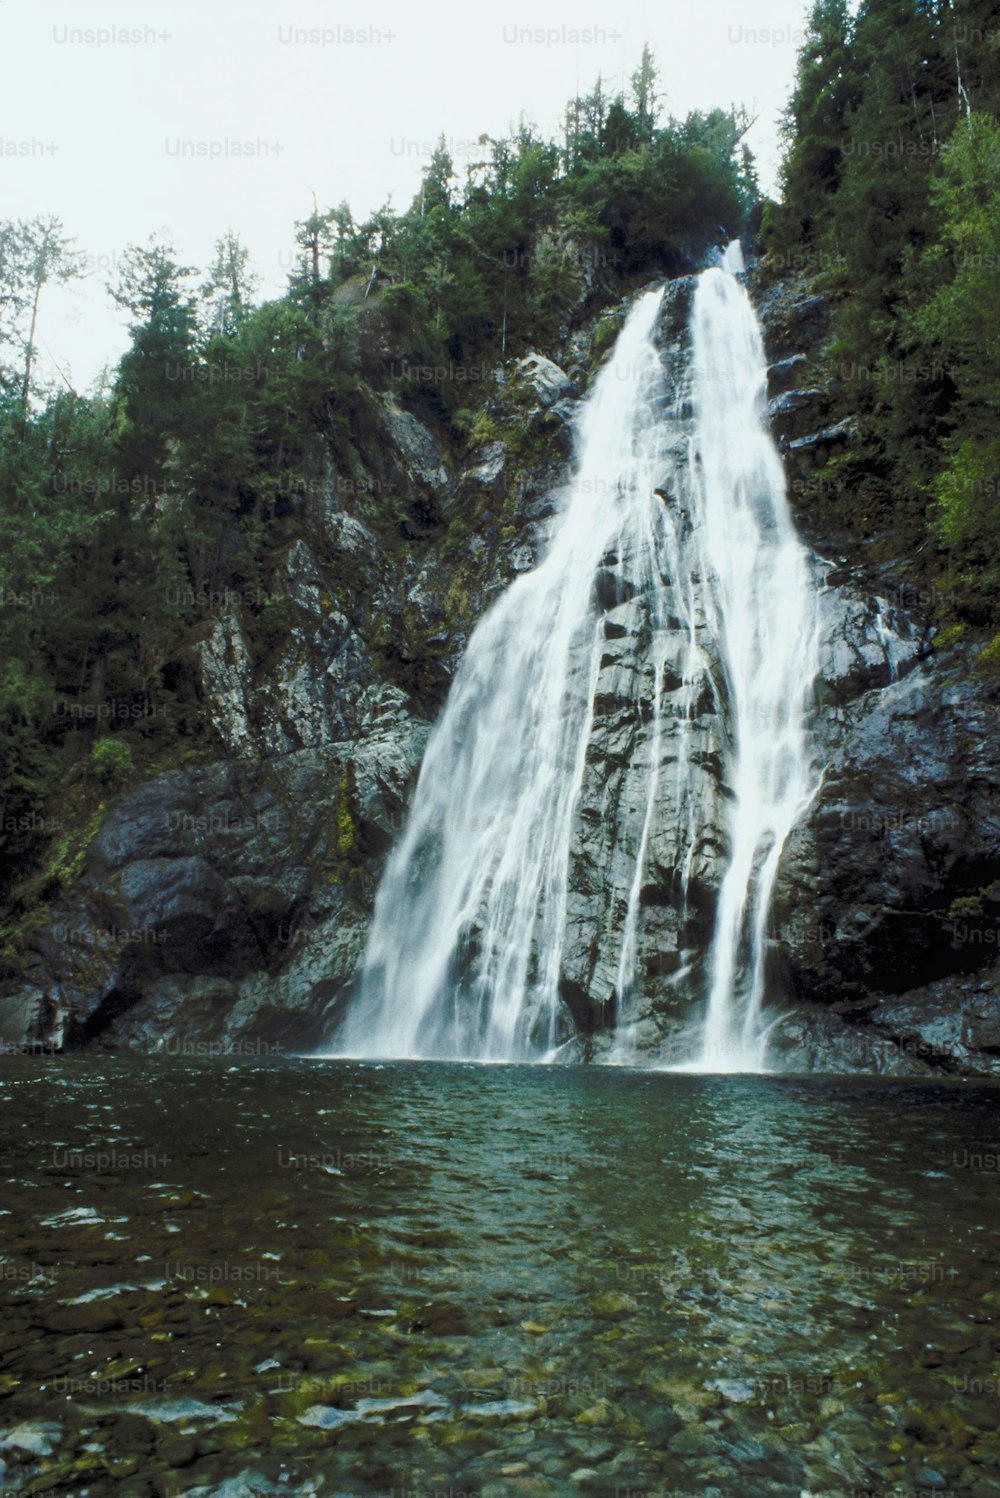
x=227 y=294
x=990 y=655
x=651 y=203
x=61 y=866
x=892 y=190
x=155 y=373
x=32 y=254
x=466 y=278
x=827 y=86
x=111 y=761
x=346 y=835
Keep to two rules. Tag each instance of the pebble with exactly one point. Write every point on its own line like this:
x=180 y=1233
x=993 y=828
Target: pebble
x=736 y=1390
x=177 y=1450
x=613 y=1303
x=597 y=1414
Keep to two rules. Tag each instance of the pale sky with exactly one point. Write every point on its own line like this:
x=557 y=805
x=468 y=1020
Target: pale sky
x=121 y=138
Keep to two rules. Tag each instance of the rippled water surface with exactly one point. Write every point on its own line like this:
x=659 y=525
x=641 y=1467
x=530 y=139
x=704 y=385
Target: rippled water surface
x=329 y=1277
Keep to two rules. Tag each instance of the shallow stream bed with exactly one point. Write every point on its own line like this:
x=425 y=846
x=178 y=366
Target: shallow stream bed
x=328 y=1277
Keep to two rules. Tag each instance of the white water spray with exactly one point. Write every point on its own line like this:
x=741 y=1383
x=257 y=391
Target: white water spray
x=465 y=952
x=767 y=627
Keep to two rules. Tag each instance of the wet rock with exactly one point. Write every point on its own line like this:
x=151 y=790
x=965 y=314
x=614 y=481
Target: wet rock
x=864 y=643
x=591 y=1451
x=833 y=436
x=884 y=889
x=548 y=382
x=85 y=1318
x=226 y=902
x=37 y=1438
x=440 y=1318
x=795 y=320
x=415 y=446
x=735 y=1390
x=930 y=1479
x=29 y=1019
x=785 y=373
x=596 y=1414
x=795 y=413
x=177 y=1449
x=613 y=1303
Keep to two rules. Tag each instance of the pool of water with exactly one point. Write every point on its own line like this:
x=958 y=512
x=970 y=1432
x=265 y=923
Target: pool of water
x=327 y=1277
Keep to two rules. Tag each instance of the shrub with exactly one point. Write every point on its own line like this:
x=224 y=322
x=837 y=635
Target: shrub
x=111 y=759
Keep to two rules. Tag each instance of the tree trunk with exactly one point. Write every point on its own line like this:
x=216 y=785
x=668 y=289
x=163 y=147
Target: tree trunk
x=30 y=351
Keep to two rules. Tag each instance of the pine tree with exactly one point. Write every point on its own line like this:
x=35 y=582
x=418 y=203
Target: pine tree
x=827 y=87
x=960 y=323
x=228 y=291
x=438 y=176
x=644 y=95
x=156 y=373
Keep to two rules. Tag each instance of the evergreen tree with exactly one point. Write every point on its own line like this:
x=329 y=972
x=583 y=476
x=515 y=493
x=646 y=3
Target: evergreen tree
x=960 y=323
x=438 y=176
x=827 y=87
x=891 y=175
x=621 y=131
x=347 y=257
x=157 y=370
x=14 y=286
x=644 y=94
x=227 y=293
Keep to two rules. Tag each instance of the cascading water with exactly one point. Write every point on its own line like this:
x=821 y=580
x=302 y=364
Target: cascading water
x=464 y=953
x=466 y=949
x=767 y=626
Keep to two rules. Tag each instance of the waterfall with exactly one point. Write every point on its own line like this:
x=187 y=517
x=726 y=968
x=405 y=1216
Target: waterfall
x=688 y=519
x=766 y=622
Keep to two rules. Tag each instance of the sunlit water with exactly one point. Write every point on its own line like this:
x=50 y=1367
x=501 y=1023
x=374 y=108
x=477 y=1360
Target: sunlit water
x=338 y=1278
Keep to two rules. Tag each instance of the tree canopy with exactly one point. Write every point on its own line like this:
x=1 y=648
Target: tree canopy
x=891 y=195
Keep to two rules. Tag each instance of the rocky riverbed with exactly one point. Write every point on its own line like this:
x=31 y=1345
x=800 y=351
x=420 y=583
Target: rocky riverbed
x=327 y=1278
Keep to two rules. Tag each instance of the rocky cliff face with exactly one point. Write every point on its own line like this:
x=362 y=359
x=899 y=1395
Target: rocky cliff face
x=884 y=924
x=224 y=904
x=887 y=904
